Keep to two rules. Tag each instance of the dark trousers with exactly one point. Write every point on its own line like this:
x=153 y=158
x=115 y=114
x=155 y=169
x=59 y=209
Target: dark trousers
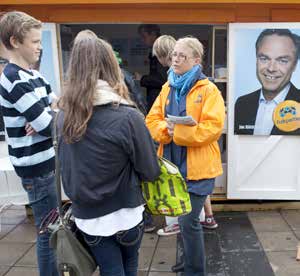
x=193 y=238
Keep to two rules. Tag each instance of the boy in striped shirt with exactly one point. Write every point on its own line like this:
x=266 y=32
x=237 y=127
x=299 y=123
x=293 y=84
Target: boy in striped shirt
x=25 y=98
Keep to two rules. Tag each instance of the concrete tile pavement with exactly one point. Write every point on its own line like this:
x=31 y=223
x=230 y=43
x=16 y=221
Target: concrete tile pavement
x=278 y=233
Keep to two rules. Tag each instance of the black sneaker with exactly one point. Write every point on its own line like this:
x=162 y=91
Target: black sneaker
x=149 y=228
x=178 y=267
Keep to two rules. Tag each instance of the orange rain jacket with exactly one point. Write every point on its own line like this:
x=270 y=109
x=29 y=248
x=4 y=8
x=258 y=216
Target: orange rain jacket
x=205 y=104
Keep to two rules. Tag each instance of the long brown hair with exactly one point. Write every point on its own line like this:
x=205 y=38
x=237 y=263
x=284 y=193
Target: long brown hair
x=91 y=59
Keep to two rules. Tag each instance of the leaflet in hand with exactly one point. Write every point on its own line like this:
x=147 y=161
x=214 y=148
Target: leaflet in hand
x=182 y=120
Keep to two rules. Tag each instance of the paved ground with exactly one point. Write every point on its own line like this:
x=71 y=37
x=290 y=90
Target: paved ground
x=278 y=233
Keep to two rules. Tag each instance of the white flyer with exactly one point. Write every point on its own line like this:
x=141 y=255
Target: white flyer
x=182 y=120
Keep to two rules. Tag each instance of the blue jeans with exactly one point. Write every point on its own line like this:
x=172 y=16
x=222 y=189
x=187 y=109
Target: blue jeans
x=41 y=193
x=193 y=238
x=148 y=220
x=117 y=255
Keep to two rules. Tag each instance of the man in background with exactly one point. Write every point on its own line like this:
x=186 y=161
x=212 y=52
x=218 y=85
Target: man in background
x=157 y=73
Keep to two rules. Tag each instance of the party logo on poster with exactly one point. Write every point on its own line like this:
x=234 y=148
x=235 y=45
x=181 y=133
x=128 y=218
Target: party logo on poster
x=286 y=116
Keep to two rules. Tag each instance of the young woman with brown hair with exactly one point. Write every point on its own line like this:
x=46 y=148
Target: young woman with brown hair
x=102 y=151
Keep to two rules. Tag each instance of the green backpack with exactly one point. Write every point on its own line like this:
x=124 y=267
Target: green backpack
x=167 y=195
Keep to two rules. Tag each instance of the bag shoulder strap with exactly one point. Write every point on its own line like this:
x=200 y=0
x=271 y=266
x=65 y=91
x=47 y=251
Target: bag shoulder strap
x=57 y=165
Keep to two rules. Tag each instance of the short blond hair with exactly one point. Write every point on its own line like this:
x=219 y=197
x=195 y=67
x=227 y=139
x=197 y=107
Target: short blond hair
x=194 y=44
x=16 y=24
x=163 y=46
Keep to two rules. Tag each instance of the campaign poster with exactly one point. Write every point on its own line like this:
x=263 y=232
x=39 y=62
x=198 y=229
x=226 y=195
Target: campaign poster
x=265 y=78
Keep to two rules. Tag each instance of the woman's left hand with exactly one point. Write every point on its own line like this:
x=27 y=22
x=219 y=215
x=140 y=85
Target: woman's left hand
x=170 y=127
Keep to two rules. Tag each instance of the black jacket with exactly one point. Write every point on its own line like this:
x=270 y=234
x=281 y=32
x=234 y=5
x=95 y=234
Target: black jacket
x=246 y=109
x=134 y=91
x=154 y=80
x=102 y=172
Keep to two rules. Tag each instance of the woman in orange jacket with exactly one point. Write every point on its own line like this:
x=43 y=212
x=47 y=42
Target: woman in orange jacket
x=193 y=148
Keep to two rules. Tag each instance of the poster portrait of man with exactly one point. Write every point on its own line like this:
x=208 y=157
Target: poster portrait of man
x=267 y=80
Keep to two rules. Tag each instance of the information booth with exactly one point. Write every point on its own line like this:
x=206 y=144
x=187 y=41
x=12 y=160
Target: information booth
x=255 y=167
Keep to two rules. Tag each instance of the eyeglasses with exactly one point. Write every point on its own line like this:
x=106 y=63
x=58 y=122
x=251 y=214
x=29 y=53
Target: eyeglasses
x=181 y=57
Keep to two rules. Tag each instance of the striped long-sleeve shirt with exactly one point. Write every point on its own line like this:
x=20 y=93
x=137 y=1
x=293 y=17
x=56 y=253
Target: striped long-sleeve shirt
x=25 y=97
